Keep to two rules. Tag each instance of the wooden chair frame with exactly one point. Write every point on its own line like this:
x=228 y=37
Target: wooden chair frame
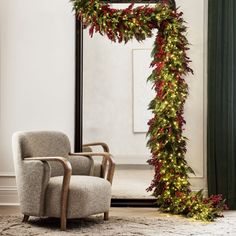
x=107 y=158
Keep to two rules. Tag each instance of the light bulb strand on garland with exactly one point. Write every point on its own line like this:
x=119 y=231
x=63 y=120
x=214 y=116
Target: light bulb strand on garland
x=170 y=64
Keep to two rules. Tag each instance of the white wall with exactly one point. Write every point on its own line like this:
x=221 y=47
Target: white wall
x=108 y=95
x=37 y=84
x=36 y=73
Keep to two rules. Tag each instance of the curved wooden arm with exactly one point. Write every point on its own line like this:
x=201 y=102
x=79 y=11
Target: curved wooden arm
x=65 y=185
x=106 y=156
x=104 y=160
x=104 y=145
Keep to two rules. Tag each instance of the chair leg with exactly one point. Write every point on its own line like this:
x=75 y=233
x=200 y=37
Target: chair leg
x=63 y=223
x=106 y=215
x=25 y=219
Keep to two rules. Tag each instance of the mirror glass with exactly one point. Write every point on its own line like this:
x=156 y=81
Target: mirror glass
x=116 y=97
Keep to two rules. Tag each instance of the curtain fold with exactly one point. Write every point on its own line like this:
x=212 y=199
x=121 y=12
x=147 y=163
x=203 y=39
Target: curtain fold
x=221 y=138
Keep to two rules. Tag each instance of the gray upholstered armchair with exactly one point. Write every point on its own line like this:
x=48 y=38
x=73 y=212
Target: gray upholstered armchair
x=54 y=182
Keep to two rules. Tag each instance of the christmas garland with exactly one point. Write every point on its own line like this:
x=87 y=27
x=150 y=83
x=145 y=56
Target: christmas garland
x=170 y=64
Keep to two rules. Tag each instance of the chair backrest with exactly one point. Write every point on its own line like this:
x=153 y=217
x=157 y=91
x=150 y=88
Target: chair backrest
x=42 y=144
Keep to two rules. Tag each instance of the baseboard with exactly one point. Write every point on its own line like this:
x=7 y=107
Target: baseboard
x=13 y=204
x=7 y=174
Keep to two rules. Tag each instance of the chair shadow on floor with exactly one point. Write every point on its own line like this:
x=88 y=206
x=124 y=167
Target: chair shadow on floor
x=54 y=223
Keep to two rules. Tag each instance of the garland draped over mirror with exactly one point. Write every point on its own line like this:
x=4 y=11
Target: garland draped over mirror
x=170 y=64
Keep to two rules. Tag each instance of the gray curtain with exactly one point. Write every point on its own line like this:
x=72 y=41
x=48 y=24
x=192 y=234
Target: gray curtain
x=221 y=164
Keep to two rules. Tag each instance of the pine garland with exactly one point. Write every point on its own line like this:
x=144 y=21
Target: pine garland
x=170 y=64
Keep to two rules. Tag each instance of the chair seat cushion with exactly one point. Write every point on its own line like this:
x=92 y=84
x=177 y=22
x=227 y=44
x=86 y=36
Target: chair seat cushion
x=88 y=195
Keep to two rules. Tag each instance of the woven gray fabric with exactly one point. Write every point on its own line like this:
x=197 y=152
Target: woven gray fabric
x=32 y=184
x=44 y=144
x=97 y=169
x=88 y=195
x=31 y=178
x=81 y=165
x=87 y=149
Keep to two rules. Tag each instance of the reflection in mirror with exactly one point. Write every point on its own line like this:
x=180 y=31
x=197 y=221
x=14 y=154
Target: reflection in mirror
x=116 y=97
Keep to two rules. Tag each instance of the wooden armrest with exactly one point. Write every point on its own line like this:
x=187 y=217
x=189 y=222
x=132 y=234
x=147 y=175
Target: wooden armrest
x=104 y=145
x=65 y=185
x=65 y=163
x=107 y=156
x=105 y=149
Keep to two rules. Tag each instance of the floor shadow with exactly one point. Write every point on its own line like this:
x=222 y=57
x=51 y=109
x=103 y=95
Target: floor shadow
x=54 y=223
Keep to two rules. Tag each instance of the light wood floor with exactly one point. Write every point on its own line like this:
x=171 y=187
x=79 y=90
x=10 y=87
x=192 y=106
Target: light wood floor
x=114 y=211
x=9 y=210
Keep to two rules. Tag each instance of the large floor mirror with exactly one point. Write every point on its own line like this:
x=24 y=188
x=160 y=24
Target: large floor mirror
x=115 y=97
